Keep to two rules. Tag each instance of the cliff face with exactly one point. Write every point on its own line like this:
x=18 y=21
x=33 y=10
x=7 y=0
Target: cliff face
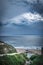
x=5 y=48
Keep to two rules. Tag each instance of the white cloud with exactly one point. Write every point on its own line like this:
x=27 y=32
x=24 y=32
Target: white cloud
x=32 y=17
x=27 y=17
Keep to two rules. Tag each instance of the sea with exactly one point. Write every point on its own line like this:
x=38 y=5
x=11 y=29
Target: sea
x=24 y=41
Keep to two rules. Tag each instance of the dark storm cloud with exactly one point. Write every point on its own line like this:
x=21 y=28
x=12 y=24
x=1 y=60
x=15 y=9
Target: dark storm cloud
x=38 y=7
x=11 y=8
x=2 y=7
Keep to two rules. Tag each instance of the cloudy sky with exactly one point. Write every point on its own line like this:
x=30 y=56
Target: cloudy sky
x=19 y=17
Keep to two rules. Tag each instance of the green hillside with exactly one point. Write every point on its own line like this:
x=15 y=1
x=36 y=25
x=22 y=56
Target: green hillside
x=5 y=48
x=36 y=60
x=16 y=59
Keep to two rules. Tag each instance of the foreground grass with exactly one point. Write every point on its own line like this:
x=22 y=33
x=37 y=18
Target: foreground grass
x=36 y=60
x=20 y=59
x=17 y=59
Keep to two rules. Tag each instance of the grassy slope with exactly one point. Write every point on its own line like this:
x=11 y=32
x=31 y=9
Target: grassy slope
x=18 y=59
x=5 y=48
x=37 y=60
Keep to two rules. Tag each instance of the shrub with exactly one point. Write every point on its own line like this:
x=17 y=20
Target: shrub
x=38 y=60
x=33 y=57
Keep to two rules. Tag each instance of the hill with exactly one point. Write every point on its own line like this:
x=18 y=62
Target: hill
x=5 y=48
x=16 y=59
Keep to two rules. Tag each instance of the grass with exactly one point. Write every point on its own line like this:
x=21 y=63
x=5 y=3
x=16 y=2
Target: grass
x=17 y=59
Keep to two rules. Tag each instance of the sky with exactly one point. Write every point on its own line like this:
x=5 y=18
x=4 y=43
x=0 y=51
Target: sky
x=21 y=17
x=21 y=21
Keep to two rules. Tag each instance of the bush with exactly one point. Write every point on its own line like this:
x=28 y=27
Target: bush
x=33 y=57
x=38 y=60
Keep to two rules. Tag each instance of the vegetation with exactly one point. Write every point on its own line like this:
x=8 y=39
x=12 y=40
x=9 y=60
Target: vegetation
x=33 y=57
x=17 y=59
x=5 y=48
x=37 y=60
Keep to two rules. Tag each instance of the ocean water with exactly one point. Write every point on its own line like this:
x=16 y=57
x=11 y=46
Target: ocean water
x=24 y=41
